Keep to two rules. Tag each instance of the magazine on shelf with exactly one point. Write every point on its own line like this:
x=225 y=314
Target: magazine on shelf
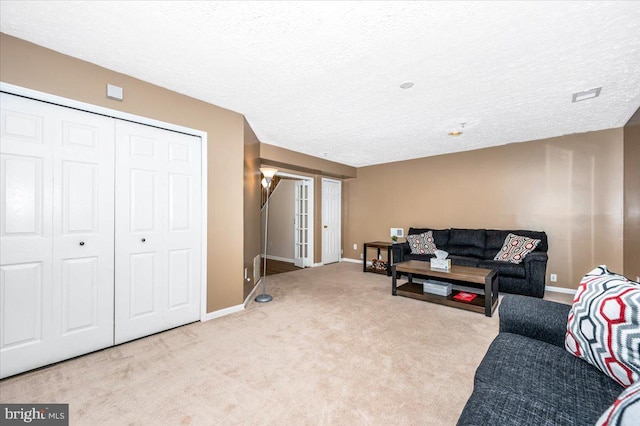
x=465 y=297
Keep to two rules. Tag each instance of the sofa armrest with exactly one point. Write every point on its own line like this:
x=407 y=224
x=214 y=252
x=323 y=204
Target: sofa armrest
x=536 y=318
x=399 y=250
x=535 y=266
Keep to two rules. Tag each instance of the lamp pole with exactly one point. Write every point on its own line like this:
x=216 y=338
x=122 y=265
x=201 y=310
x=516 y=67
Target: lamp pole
x=268 y=175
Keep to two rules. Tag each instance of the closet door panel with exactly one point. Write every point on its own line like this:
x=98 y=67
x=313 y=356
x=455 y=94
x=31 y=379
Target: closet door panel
x=157 y=230
x=56 y=296
x=83 y=227
x=141 y=209
x=26 y=239
x=183 y=229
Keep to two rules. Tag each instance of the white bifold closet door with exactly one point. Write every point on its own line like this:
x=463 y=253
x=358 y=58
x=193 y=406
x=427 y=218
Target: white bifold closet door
x=157 y=230
x=100 y=232
x=56 y=229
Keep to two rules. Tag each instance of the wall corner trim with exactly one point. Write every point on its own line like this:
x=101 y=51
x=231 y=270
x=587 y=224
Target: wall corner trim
x=223 y=312
x=560 y=289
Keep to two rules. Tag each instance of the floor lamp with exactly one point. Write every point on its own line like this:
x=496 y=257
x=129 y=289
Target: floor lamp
x=268 y=173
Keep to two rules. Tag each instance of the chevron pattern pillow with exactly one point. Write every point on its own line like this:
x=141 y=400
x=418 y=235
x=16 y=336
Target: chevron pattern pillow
x=603 y=327
x=422 y=243
x=625 y=410
x=515 y=248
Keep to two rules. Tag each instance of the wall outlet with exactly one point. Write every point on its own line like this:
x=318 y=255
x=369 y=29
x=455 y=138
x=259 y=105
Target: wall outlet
x=553 y=278
x=341 y=251
x=355 y=247
x=638 y=278
x=361 y=256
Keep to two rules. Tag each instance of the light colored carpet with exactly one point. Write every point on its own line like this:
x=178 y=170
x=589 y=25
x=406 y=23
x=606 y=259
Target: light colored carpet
x=333 y=347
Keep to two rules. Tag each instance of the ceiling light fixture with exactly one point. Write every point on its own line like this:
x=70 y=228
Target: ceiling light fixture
x=587 y=94
x=407 y=85
x=457 y=132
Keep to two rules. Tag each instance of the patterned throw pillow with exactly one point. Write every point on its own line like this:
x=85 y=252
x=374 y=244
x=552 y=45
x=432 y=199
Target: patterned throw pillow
x=625 y=411
x=603 y=327
x=422 y=243
x=515 y=248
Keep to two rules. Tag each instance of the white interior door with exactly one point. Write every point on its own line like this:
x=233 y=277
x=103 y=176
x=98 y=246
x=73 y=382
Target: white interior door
x=158 y=240
x=301 y=225
x=56 y=191
x=83 y=226
x=331 y=213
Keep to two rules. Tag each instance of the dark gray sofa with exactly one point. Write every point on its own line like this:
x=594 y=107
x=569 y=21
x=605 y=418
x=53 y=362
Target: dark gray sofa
x=527 y=377
x=478 y=247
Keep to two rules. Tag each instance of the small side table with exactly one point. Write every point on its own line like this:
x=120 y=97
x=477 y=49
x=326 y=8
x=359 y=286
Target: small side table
x=377 y=245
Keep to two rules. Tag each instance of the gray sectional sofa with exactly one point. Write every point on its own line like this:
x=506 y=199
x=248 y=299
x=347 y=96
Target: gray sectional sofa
x=478 y=247
x=527 y=377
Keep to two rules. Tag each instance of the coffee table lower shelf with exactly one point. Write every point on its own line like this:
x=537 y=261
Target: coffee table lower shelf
x=415 y=291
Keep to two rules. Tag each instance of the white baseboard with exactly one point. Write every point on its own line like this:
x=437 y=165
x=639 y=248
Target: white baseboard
x=223 y=312
x=281 y=259
x=560 y=289
x=315 y=265
x=252 y=293
x=346 y=259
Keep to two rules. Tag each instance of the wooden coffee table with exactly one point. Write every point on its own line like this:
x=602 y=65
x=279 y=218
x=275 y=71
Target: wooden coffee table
x=465 y=276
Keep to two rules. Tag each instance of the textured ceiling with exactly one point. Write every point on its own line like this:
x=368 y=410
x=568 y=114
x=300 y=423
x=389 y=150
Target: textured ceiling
x=323 y=78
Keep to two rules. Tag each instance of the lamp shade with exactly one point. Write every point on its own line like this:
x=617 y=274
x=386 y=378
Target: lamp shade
x=268 y=172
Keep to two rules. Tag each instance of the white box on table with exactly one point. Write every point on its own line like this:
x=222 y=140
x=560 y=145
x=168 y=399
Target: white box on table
x=436 y=287
x=441 y=263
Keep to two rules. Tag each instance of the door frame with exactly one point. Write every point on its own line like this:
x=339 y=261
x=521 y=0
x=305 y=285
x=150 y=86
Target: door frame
x=311 y=182
x=339 y=182
x=83 y=106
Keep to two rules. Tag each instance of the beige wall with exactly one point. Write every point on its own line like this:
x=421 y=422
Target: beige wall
x=570 y=187
x=632 y=197
x=281 y=217
x=306 y=165
x=31 y=66
x=298 y=162
x=252 y=229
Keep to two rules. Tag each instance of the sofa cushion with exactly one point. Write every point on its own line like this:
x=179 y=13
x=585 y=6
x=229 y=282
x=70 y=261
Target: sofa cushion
x=463 y=260
x=504 y=268
x=466 y=242
x=421 y=243
x=604 y=324
x=536 y=371
x=515 y=248
x=625 y=410
x=422 y=257
x=490 y=405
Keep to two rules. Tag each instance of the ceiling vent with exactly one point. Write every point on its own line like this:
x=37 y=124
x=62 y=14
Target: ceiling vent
x=587 y=94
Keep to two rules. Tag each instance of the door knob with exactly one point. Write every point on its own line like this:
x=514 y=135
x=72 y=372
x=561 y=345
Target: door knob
x=143 y=240
x=326 y=226
x=81 y=243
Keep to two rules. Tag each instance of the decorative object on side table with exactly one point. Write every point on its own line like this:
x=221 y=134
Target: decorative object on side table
x=379 y=264
x=396 y=233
